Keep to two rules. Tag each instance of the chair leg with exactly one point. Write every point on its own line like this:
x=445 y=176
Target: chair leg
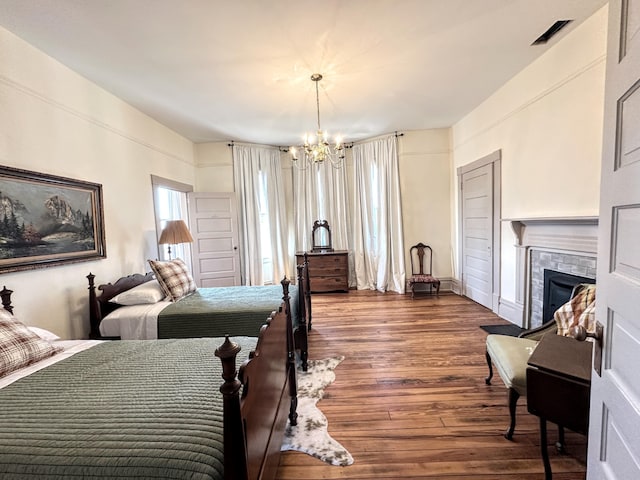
x=560 y=442
x=513 y=400
x=488 y=379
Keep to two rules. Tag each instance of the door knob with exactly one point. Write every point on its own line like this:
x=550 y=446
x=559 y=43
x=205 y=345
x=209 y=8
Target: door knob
x=580 y=333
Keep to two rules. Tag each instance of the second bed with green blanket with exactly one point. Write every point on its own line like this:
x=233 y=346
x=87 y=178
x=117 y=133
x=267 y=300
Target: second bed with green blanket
x=215 y=312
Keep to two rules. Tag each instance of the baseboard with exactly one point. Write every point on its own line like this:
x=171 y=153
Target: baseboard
x=446 y=285
x=511 y=312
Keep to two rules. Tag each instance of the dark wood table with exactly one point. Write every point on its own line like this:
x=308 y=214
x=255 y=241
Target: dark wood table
x=558 y=387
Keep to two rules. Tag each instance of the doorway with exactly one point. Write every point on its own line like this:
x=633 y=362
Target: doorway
x=479 y=227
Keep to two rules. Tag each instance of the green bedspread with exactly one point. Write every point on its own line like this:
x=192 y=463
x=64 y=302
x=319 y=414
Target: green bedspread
x=216 y=312
x=125 y=409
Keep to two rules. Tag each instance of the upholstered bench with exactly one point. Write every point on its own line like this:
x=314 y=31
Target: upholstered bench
x=510 y=356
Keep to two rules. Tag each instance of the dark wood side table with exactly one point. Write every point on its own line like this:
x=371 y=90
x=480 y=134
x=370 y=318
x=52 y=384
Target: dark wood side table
x=328 y=270
x=558 y=387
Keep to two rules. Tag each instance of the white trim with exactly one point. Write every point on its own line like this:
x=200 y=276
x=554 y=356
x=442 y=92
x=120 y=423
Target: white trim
x=571 y=235
x=513 y=312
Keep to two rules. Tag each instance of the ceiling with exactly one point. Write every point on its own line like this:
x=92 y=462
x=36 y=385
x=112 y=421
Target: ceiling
x=217 y=70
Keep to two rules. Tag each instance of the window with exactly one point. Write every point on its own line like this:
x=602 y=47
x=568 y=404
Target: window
x=170 y=203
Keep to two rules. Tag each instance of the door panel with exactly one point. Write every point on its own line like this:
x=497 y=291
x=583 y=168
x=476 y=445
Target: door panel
x=614 y=422
x=477 y=235
x=213 y=224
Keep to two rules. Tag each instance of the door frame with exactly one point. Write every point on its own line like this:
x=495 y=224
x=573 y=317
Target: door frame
x=494 y=159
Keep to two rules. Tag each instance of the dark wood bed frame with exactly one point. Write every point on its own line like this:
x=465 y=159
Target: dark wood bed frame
x=257 y=401
x=100 y=306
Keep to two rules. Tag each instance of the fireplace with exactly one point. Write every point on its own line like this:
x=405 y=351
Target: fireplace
x=557 y=290
x=567 y=245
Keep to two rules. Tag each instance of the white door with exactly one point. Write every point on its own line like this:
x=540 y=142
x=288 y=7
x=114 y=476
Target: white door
x=614 y=422
x=214 y=226
x=477 y=234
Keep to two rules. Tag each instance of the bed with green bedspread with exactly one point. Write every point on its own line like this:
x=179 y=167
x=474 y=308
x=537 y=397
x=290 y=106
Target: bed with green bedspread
x=127 y=409
x=215 y=312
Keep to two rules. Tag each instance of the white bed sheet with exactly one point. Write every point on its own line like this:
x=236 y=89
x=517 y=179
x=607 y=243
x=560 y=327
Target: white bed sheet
x=135 y=322
x=71 y=347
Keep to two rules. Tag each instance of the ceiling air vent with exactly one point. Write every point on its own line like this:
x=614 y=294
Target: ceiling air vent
x=553 y=29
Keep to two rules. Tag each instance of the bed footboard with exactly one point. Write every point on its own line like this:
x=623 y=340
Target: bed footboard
x=260 y=399
x=301 y=332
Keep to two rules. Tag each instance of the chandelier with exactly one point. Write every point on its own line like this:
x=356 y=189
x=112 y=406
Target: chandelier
x=316 y=148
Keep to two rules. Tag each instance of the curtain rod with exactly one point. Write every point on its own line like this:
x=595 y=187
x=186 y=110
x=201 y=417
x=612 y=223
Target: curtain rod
x=247 y=144
x=286 y=149
x=395 y=134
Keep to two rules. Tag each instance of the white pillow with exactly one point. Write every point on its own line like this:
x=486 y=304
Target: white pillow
x=145 y=293
x=44 y=334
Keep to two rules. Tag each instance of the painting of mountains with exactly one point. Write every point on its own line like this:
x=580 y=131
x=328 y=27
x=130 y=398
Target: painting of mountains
x=47 y=220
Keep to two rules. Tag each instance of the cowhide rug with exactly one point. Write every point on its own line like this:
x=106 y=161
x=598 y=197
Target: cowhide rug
x=310 y=435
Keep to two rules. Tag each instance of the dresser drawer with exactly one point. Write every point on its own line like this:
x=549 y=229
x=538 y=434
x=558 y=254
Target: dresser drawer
x=328 y=271
x=329 y=284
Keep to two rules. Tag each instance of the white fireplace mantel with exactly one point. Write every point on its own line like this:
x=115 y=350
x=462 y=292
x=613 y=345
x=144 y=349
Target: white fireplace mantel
x=578 y=234
x=574 y=235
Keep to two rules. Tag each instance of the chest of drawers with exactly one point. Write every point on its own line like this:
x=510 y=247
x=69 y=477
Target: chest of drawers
x=328 y=271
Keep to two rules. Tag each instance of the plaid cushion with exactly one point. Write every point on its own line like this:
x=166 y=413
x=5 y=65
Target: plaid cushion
x=19 y=346
x=174 y=278
x=580 y=310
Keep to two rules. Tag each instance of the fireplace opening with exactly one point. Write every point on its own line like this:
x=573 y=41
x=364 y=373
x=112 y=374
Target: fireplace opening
x=557 y=290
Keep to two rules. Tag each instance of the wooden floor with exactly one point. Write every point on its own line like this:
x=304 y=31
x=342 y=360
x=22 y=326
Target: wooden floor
x=410 y=401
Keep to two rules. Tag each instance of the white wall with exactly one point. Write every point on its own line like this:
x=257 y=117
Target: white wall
x=547 y=121
x=425 y=186
x=54 y=121
x=214 y=167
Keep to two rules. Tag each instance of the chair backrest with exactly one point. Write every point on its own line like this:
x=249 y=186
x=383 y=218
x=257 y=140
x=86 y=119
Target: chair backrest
x=418 y=263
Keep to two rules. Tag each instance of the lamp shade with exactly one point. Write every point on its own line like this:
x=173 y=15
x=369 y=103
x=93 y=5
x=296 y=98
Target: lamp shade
x=175 y=232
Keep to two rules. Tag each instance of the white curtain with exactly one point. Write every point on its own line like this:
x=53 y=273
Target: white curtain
x=320 y=193
x=257 y=175
x=377 y=216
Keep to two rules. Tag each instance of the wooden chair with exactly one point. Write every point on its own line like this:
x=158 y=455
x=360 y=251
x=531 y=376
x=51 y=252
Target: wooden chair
x=419 y=273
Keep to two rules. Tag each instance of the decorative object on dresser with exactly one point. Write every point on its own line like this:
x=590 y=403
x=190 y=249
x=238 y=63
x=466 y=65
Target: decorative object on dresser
x=321 y=237
x=420 y=275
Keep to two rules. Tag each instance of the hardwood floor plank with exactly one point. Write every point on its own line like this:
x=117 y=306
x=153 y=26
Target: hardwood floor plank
x=410 y=402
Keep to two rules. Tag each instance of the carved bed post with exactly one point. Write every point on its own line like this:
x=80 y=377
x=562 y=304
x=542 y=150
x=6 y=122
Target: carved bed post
x=94 y=313
x=5 y=294
x=291 y=354
x=235 y=447
x=307 y=287
x=301 y=331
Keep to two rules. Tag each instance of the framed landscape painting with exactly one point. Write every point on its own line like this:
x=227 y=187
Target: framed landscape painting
x=47 y=220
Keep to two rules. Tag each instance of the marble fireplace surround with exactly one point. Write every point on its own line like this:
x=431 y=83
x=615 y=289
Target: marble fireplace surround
x=567 y=244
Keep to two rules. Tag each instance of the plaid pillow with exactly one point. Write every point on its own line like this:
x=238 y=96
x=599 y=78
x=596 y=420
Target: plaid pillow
x=174 y=278
x=19 y=346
